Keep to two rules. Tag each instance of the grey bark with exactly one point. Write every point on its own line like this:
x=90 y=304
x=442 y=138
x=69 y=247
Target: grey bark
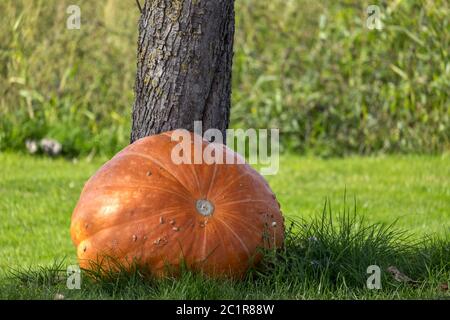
x=185 y=51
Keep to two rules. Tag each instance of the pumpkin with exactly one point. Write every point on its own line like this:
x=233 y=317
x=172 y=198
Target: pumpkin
x=142 y=208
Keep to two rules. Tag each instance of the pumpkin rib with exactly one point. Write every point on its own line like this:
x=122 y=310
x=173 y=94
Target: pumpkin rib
x=213 y=232
x=236 y=235
x=247 y=223
x=121 y=254
x=105 y=253
x=225 y=188
x=120 y=224
x=232 y=216
x=185 y=197
x=197 y=182
x=152 y=159
x=137 y=154
x=207 y=256
x=211 y=182
x=205 y=234
x=222 y=241
x=180 y=241
x=225 y=203
x=237 y=192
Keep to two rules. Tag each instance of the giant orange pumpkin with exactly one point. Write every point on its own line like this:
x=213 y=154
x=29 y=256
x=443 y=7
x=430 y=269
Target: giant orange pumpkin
x=143 y=208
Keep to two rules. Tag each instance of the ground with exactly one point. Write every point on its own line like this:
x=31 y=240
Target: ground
x=37 y=196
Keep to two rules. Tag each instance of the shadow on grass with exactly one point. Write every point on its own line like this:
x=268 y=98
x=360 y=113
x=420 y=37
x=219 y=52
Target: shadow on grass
x=324 y=257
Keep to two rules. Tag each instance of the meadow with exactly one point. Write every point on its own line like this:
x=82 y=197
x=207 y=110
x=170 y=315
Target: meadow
x=391 y=211
x=364 y=121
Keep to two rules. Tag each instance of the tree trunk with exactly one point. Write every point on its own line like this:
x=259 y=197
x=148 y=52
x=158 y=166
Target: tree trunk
x=185 y=51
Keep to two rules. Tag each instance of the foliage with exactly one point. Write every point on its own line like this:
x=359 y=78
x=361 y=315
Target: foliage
x=71 y=85
x=311 y=68
x=316 y=71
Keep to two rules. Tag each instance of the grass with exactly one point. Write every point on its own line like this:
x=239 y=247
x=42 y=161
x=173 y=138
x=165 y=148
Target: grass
x=326 y=253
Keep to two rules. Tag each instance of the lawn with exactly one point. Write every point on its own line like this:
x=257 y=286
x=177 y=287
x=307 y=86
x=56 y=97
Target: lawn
x=37 y=196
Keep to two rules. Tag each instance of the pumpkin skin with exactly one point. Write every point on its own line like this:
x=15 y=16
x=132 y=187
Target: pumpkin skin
x=143 y=208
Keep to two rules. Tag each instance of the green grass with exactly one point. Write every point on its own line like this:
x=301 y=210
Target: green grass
x=37 y=196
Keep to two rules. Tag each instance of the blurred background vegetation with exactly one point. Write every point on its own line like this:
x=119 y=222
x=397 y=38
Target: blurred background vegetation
x=311 y=68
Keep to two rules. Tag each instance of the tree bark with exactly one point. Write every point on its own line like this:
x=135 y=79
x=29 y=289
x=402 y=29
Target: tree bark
x=185 y=52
